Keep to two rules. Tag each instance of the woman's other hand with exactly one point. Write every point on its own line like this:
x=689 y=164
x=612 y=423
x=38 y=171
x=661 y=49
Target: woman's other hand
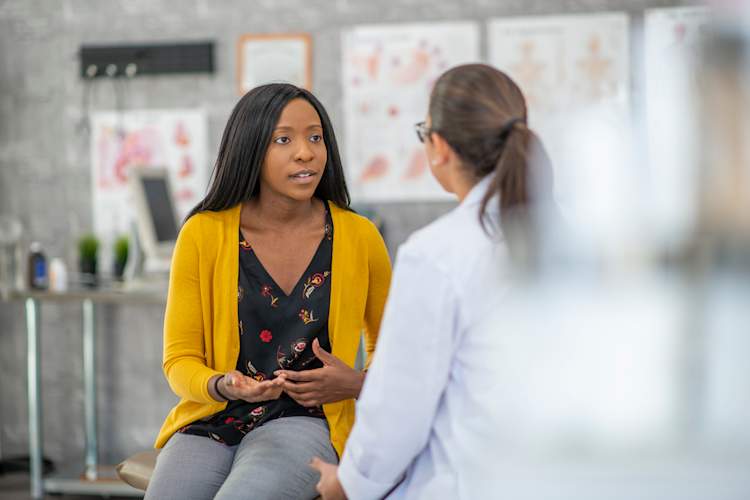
x=235 y=385
x=329 y=485
x=336 y=381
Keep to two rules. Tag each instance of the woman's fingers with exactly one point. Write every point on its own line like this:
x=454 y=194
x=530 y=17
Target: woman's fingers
x=241 y=386
x=262 y=391
x=301 y=376
x=269 y=387
x=239 y=379
x=307 y=400
x=304 y=387
x=300 y=388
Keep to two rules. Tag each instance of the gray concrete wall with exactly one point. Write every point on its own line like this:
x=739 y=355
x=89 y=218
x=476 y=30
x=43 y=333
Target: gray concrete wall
x=45 y=172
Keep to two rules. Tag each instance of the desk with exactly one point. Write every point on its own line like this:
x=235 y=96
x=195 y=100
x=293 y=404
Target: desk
x=93 y=481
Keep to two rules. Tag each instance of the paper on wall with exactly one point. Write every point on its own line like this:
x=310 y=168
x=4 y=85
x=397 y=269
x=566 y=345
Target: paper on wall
x=171 y=139
x=574 y=72
x=388 y=72
x=672 y=40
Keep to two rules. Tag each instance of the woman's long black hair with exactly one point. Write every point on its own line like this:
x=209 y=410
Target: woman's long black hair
x=244 y=144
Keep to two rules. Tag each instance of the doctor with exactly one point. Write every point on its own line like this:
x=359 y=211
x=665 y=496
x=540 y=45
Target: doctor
x=427 y=396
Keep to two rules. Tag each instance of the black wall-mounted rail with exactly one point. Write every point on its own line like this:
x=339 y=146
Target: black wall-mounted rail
x=146 y=59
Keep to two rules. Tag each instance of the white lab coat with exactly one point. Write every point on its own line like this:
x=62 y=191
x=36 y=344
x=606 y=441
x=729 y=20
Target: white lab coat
x=422 y=403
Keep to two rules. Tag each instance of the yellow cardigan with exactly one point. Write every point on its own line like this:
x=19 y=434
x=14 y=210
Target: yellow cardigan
x=201 y=327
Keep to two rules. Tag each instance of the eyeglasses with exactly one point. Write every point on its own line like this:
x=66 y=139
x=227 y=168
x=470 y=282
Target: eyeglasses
x=422 y=130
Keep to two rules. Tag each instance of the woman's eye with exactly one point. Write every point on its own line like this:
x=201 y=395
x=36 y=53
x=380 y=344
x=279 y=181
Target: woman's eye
x=282 y=140
x=316 y=138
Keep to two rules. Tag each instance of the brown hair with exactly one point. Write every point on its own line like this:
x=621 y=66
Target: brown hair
x=481 y=114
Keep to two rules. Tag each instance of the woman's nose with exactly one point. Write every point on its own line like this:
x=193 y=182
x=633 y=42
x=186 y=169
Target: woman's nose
x=304 y=152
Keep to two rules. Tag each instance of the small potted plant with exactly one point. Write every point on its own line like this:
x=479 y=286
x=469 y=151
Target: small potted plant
x=122 y=244
x=88 y=247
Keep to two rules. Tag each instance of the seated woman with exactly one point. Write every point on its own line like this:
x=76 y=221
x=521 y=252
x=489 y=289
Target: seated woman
x=423 y=416
x=272 y=272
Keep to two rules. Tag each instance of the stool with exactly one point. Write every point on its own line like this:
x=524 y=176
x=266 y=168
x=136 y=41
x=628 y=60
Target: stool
x=137 y=469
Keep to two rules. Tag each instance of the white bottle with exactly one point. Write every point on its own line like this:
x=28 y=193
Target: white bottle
x=58 y=275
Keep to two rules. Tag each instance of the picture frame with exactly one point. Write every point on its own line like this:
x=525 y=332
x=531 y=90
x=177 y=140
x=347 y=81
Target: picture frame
x=266 y=58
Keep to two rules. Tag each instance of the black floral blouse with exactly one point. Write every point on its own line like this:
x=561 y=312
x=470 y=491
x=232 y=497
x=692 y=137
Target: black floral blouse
x=276 y=332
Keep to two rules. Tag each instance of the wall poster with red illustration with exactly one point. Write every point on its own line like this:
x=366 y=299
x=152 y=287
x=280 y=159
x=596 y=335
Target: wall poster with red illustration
x=388 y=72
x=171 y=139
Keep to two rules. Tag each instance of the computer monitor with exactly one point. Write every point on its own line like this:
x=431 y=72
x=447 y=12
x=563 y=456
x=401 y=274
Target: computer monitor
x=156 y=219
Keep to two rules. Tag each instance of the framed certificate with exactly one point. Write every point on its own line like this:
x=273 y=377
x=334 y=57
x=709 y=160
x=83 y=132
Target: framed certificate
x=267 y=58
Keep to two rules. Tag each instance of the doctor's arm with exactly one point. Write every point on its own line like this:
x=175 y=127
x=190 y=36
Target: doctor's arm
x=405 y=381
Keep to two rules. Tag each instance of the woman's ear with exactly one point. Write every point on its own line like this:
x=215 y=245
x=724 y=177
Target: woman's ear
x=441 y=150
x=441 y=158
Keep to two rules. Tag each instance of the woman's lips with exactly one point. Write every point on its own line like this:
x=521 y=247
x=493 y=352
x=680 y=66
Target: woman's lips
x=304 y=177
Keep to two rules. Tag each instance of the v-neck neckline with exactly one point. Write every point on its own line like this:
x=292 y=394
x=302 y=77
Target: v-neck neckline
x=306 y=272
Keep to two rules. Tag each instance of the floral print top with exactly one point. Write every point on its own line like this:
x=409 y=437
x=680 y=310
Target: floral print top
x=276 y=332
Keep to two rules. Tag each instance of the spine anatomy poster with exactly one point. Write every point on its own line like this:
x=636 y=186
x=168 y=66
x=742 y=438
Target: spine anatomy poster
x=388 y=72
x=568 y=67
x=171 y=139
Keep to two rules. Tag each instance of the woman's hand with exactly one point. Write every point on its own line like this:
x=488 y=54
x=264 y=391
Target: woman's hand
x=329 y=485
x=336 y=381
x=235 y=385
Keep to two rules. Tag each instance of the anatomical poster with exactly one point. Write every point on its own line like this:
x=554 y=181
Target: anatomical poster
x=171 y=139
x=573 y=70
x=388 y=72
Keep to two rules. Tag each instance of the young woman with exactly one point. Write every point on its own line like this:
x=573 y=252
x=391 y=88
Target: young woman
x=425 y=407
x=273 y=280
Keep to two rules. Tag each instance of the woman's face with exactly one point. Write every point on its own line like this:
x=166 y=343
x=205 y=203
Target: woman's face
x=297 y=155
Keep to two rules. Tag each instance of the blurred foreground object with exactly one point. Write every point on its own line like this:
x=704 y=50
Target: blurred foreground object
x=620 y=357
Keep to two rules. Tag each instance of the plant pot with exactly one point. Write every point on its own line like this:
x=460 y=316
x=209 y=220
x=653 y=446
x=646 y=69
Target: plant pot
x=119 y=269
x=88 y=272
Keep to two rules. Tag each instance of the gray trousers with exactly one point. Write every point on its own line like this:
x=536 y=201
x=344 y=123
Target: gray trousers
x=270 y=463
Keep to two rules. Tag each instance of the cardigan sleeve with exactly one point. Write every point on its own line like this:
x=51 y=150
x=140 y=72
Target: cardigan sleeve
x=379 y=281
x=184 y=361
